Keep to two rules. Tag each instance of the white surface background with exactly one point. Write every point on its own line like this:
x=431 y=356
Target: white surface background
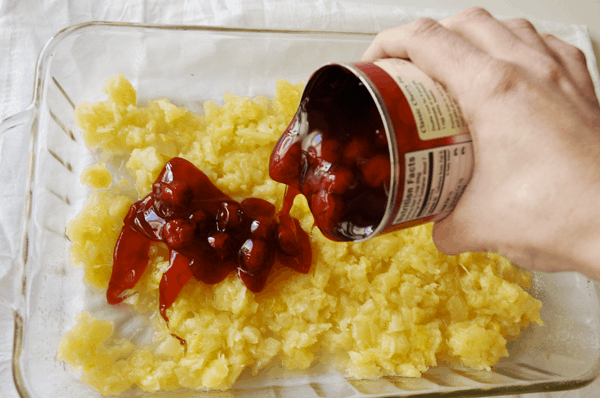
x=25 y=25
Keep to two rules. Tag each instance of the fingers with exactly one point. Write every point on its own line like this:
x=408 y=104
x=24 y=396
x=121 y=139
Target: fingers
x=574 y=62
x=480 y=28
x=515 y=41
x=439 y=52
x=463 y=230
x=526 y=32
x=449 y=239
x=464 y=44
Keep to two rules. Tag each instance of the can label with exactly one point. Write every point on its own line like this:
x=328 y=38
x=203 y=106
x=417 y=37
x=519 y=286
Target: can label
x=436 y=113
x=432 y=152
x=434 y=180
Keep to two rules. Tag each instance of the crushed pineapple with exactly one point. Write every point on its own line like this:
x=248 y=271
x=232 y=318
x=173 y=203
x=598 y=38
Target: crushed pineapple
x=96 y=176
x=392 y=305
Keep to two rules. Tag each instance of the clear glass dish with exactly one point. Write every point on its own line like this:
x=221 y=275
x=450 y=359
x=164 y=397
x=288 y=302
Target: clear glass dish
x=190 y=65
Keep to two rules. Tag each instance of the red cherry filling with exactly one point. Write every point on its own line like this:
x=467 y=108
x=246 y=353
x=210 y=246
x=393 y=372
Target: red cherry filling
x=200 y=218
x=294 y=245
x=222 y=243
x=345 y=156
x=377 y=171
x=263 y=228
x=255 y=207
x=173 y=199
x=327 y=209
x=313 y=157
x=357 y=151
x=172 y=281
x=331 y=151
x=286 y=164
x=253 y=255
x=130 y=260
x=208 y=235
x=339 y=180
x=288 y=237
x=179 y=233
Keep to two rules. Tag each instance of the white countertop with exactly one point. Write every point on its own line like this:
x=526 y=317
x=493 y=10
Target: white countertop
x=25 y=25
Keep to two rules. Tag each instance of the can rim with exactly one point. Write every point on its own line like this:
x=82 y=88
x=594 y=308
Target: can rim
x=389 y=130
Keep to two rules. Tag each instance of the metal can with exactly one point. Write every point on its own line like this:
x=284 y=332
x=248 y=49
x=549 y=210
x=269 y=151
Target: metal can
x=428 y=145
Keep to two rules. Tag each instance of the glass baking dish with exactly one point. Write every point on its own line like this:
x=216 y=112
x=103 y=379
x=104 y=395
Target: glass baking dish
x=190 y=65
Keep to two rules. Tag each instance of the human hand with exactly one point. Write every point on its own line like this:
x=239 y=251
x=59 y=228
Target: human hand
x=530 y=104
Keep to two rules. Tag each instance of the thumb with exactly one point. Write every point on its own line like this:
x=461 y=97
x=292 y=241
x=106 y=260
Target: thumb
x=454 y=236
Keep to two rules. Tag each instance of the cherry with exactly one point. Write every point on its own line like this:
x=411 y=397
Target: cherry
x=287 y=236
x=339 y=180
x=377 y=171
x=253 y=255
x=294 y=245
x=328 y=210
x=357 y=151
x=173 y=199
x=179 y=233
x=178 y=194
x=207 y=267
x=229 y=216
x=222 y=243
x=145 y=220
x=256 y=282
x=263 y=228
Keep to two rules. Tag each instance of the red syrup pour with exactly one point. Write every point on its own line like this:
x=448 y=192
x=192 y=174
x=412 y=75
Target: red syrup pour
x=335 y=152
x=208 y=235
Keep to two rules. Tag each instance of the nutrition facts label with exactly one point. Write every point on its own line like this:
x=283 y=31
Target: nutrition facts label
x=434 y=180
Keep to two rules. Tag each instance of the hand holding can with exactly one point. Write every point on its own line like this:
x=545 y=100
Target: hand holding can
x=530 y=106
